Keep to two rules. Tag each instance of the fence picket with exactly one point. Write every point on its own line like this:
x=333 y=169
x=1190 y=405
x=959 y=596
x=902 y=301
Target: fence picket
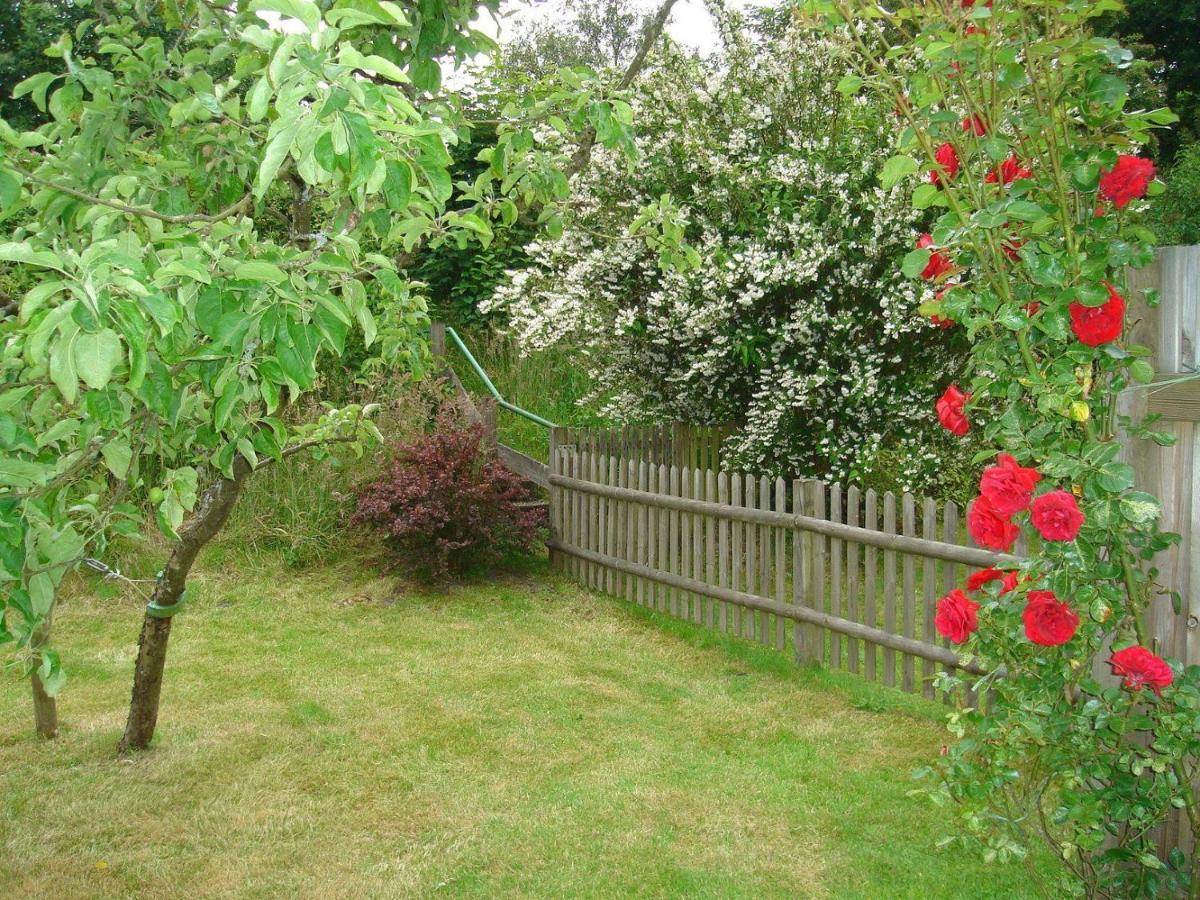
x=835 y=576
x=949 y=569
x=781 y=538
x=652 y=533
x=852 y=501
x=735 y=553
x=818 y=566
x=929 y=593
x=687 y=538
x=889 y=589
x=909 y=511
x=870 y=576
x=765 y=625
x=673 y=556
x=709 y=605
x=723 y=578
x=643 y=518
x=699 y=523
x=664 y=532
x=750 y=616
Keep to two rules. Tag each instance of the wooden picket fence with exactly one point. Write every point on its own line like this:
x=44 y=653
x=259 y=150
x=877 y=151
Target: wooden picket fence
x=840 y=576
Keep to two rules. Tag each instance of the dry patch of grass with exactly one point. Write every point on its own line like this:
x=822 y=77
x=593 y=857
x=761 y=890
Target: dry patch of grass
x=330 y=733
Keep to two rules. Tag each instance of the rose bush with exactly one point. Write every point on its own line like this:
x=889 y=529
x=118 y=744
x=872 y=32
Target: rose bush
x=1037 y=200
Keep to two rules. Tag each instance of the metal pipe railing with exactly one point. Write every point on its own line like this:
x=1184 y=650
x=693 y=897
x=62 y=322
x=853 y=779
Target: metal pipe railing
x=491 y=388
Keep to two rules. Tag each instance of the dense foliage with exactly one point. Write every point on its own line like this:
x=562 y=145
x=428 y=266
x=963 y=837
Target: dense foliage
x=1014 y=117
x=445 y=506
x=793 y=322
x=1175 y=217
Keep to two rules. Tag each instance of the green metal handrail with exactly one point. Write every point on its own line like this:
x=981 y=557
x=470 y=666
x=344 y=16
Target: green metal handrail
x=487 y=383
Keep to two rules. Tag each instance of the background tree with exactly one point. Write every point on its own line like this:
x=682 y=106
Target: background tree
x=793 y=324
x=1170 y=32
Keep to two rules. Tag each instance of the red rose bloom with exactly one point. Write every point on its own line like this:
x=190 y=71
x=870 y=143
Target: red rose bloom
x=947 y=160
x=990 y=528
x=1008 y=486
x=938 y=264
x=967 y=4
x=955 y=618
x=1048 y=621
x=982 y=577
x=1127 y=180
x=1096 y=325
x=1009 y=583
x=1031 y=308
x=950 y=411
x=974 y=123
x=1008 y=172
x=1139 y=667
x=1056 y=516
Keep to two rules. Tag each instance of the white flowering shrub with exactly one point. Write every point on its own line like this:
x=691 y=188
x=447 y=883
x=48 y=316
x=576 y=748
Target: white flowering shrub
x=797 y=325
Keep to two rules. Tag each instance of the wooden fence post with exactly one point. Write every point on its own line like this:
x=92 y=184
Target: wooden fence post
x=1172 y=331
x=555 y=511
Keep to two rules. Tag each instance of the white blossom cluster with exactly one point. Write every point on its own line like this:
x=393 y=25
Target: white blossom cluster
x=798 y=326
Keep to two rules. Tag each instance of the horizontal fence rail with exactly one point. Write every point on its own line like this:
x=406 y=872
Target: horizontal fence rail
x=921 y=546
x=838 y=576
x=797 y=613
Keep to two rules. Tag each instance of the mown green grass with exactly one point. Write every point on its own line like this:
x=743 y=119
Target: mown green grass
x=333 y=733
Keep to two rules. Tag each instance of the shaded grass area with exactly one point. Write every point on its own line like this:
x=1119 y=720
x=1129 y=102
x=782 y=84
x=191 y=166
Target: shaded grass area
x=333 y=733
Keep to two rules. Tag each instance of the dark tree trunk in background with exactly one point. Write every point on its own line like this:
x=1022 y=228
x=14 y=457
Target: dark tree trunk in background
x=211 y=514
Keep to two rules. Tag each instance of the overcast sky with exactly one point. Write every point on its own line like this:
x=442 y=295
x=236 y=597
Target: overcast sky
x=690 y=23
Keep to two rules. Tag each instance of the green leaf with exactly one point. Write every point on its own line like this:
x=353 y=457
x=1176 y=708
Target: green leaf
x=304 y=10
x=23 y=253
x=117 y=456
x=96 y=355
x=895 y=169
x=10 y=191
x=925 y=196
x=257 y=270
x=1142 y=371
x=35 y=86
x=376 y=65
x=63 y=370
x=915 y=262
x=258 y=99
x=849 y=85
x=41 y=594
x=277 y=150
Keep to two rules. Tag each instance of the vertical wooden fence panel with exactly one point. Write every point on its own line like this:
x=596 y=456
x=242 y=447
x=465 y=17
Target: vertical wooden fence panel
x=871 y=576
x=835 y=576
x=710 y=556
x=909 y=512
x=817 y=494
x=781 y=538
x=852 y=611
x=928 y=593
x=723 y=538
x=889 y=589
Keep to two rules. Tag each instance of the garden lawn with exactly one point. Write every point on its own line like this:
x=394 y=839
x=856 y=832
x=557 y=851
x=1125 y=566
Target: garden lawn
x=331 y=733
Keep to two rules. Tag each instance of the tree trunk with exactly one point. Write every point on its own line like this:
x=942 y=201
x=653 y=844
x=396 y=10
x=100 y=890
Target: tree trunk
x=211 y=514
x=45 y=709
